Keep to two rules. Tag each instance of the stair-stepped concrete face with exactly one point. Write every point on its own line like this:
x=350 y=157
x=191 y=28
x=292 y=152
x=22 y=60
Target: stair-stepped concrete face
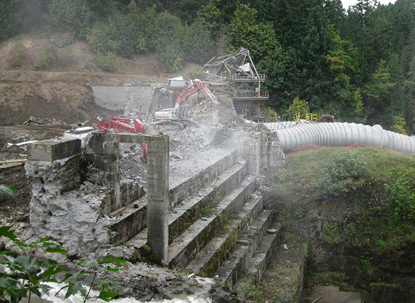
x=219 y=178
x=263 y=254
x=195 y=207
x=203 y=179
x=216 y=251
x=188 y=244
x=234 y=268
x=192 y=208
x=131 y=221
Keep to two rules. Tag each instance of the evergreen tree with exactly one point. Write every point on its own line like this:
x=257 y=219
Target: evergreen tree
x=378 y=97
x=7 y=20
x=260 y=39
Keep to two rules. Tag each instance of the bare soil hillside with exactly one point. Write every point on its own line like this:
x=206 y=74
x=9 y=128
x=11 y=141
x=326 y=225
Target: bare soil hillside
x=38 y=79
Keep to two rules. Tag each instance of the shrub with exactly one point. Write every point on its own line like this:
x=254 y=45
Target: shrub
x=167 y=32
x=45 y=63
x=118 y=35
x=103 y=37
x=145 y=24
x=198 y=44
x=403 y=196
x=24 y=276
x=171 y=57
x=9 y=190
x=166 y=29
x=129 y=38
x=399 y=124
x=17 y=54
x=107 y=61
x=70 y=15
x=342 y=173
x=297 y=110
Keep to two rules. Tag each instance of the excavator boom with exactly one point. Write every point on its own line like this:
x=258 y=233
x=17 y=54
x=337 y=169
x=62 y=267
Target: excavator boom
x=198 y=86
x=125 y=125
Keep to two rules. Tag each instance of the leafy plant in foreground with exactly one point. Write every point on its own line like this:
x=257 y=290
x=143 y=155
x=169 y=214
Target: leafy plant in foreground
x=109 y=288
x=24 y=274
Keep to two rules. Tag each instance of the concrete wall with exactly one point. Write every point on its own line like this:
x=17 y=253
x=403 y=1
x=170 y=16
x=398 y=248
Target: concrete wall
x=134 y=98
x=262 y=151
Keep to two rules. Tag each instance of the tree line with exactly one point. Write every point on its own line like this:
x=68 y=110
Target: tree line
x=356 y=64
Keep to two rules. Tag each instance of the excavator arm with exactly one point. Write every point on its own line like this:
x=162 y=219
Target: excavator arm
x=125 y=125
x=198 y=86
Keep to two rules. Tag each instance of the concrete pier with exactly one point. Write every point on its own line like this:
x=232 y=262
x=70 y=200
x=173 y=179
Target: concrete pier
x=157 y=189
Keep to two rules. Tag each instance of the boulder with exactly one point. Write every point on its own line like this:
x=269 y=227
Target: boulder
x=63 y=39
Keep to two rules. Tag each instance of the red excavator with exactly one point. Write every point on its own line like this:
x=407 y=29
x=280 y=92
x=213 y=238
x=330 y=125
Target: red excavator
x=198 y=86
x=177 y=111
x=125 y=125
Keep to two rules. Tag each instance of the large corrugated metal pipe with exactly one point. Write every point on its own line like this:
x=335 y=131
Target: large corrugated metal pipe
x=339 y=134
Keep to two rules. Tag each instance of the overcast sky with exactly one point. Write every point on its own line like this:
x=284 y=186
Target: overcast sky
x=347 y=3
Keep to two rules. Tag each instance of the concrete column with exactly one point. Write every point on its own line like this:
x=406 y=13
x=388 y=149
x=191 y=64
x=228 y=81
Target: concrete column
x=158 y=198
x=252 y=154
x=157 y=190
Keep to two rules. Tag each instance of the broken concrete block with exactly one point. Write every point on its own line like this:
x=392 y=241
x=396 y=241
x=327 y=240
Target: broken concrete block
x=52 y=150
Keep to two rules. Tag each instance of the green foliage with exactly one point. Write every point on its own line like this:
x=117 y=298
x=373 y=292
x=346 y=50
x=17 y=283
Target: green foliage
x=129 y=37
x=300 y=213
x=108 y=288
x=169 y=33
x=102 y=9
x=331 y=234
x=9 y=190
x=7 y=20
x=45 y=63
x=371 y=228
x=197 y=43
x=403 y=196
x=399 y=124
x=377 y=95
x=117 y=34
x=271 y=114
x=342 y=173
x=298 y=109
x=107 y=61
x=17 y=54
x=211 y=17
x=171 y=57
x=103 y=37
x=72 y=15
x=337 y=62
x=357 y=100
x=27 y=275
x=29 y=14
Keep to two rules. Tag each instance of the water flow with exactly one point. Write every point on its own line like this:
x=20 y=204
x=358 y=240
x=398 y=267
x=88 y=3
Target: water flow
x=54 y=296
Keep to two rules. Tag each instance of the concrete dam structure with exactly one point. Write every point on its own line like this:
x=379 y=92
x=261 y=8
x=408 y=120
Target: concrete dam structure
x=294 y=135
x=213 y=223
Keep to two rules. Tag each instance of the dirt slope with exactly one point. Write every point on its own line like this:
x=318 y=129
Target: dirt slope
x=62 y=90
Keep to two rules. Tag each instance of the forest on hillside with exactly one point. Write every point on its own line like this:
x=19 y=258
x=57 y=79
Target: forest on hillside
x=358 y=65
